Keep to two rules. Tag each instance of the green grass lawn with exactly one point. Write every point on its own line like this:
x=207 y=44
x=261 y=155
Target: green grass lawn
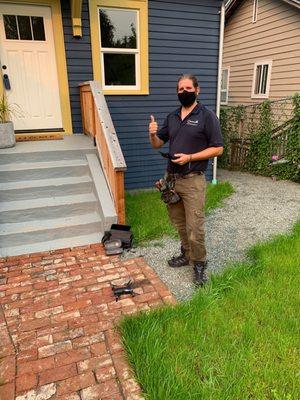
x=237 y=339
x=147 y=213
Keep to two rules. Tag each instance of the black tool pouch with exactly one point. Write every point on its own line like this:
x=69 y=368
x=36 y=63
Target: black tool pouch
x=169 y=196
x=168 y=193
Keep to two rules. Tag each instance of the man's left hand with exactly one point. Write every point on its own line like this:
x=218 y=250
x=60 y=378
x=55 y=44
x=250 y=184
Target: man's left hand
x=182 y=158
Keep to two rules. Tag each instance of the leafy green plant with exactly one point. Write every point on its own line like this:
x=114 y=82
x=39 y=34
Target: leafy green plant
x=259 y=155
x=7 y=110
x=230 y=121
x=291 y=168
x=259 y=126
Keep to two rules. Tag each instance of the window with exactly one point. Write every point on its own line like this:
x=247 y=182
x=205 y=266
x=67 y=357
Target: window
x=225 y=85
x=120 y=54
x=261 y=79
x=22 y=27
x=119 y=36
x=255 y=9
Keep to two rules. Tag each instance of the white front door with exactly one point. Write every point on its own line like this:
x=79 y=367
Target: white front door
x=27 y=57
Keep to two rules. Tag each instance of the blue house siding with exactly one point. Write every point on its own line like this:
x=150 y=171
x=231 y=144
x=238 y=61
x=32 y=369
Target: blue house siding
x=79 y=58
x=183 y=38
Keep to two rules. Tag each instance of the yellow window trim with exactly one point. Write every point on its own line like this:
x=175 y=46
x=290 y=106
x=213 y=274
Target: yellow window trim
x=142 y=6
x=60 y=54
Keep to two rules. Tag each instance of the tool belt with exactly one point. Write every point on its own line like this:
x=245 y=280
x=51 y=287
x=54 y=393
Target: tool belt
x=166 y=186
x=185 y=176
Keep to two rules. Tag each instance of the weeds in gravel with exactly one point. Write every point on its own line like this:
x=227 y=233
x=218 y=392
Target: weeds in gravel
x=238 y=338
x=147 y=214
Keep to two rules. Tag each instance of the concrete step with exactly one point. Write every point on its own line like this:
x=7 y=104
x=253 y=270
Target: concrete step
x=71 y=147
x=37 y=231
x=40 y=188
x=46 y=208
x=42 y=170
x=40 y=156
x=53 y=194
x=51 y=244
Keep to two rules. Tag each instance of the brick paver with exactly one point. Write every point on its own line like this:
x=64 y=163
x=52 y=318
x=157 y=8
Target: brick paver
x=57 y=324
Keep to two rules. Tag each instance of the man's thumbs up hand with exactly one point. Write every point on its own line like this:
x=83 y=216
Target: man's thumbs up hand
x=153 y=127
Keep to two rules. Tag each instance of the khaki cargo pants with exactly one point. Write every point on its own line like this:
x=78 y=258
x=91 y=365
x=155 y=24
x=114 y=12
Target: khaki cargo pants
x=187 y=216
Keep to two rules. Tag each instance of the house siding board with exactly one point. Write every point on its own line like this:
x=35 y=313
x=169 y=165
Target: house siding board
x=275 y=36
x=172 y=52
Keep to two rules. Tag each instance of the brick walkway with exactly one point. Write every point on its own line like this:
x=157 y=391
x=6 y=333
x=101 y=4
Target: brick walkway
x=57 y=324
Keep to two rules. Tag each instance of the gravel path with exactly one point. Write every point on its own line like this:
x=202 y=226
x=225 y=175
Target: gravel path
x=259 y=208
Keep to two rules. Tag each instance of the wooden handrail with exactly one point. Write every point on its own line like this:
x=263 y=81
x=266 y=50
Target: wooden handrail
x=97 y=122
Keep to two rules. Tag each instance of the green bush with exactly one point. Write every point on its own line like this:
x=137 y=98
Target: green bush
x=230 y=119
x=259 y=155
x=259 y=158
x=291 y=169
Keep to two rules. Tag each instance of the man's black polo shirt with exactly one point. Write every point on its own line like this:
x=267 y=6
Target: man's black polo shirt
x=199 y=130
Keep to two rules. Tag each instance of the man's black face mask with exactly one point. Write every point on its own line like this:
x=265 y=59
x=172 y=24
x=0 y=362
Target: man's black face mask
x=187 y=98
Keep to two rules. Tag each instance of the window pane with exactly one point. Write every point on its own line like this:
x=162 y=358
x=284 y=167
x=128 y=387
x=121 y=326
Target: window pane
x=118 y=28
x=264 y=79
x=10 y=25
x=38 y=28
x=257 y=79
x=224 y=79
x=223 y=96
x=24 y=27
x=119 y=69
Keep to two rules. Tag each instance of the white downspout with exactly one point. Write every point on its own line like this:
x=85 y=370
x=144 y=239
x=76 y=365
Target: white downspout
x=222 y=24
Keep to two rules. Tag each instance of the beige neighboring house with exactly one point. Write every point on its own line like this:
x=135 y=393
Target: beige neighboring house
x=261 y=58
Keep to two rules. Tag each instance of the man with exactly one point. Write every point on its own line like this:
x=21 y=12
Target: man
x=194 y=136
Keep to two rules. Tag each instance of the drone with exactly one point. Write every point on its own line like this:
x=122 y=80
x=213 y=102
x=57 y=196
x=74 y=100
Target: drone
x=121 y=290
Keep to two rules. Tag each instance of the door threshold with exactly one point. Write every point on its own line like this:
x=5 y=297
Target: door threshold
x=21 y=131
x=21 y=137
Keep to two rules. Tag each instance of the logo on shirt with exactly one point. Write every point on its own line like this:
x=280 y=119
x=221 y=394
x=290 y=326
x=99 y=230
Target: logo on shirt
x=192 y=122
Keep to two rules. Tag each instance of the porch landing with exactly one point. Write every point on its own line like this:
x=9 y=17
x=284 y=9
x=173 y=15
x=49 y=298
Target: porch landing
x=71 y=142
x=57 y=324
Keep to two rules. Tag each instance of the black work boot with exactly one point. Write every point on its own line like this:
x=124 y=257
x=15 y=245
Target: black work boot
x=200 y=272
x=180 y=260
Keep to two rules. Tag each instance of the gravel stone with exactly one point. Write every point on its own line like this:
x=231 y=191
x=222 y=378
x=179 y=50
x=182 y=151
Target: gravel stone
x=259 y=209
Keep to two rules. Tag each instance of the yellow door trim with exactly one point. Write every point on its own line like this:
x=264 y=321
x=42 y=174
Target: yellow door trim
x=60 y=54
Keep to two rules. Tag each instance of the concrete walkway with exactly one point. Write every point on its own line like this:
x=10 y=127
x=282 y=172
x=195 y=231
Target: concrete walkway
x=57 y=324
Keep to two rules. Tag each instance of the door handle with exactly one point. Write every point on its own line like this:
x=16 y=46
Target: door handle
x=4 y=66
x=6 y=82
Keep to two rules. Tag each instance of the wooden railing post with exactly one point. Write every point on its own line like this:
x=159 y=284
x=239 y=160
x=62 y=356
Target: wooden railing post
x=96 y=121
x=86 y=101
x=120 y=196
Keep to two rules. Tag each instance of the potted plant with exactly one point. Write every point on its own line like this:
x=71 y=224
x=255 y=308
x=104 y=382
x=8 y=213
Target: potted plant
x=7 y=133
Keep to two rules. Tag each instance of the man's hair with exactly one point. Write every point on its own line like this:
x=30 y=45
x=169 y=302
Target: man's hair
x=191 y=77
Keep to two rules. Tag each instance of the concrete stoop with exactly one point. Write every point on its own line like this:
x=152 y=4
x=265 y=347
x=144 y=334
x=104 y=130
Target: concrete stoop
x=53 y=194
